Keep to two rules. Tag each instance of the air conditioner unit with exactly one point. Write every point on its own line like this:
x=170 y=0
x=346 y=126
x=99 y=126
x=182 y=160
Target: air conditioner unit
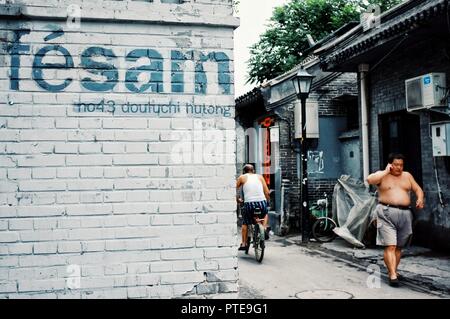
x=425 y=91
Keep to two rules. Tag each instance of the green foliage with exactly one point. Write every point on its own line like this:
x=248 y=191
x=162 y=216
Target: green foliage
x=235 y=5
x=280 y=48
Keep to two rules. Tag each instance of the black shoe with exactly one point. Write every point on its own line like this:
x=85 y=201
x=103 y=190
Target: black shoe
x=242 y=248
x=400 y=277
x=393 y=282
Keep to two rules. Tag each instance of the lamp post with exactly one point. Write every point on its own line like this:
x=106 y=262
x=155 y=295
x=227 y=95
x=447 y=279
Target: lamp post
x=302 y=83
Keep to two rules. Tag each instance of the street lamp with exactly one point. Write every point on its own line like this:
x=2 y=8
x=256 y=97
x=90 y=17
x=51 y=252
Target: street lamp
x=302 y=83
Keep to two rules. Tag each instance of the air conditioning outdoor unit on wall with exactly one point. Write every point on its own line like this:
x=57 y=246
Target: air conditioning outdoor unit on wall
x=425 y=91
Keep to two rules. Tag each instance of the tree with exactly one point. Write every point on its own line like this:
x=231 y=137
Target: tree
x=235 y=5
x=281 y=46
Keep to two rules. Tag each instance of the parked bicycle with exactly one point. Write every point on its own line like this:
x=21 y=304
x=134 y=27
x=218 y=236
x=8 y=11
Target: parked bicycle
x=256 y=235
x=322 y=229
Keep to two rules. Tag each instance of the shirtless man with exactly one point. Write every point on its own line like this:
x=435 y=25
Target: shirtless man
x=394 y=217
x=256 y=195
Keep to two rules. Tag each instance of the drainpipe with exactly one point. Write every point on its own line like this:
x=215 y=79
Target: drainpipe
x=363 y=73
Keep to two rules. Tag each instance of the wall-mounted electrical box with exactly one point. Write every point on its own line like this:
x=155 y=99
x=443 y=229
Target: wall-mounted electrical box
x=440 y=134
x=425 y=91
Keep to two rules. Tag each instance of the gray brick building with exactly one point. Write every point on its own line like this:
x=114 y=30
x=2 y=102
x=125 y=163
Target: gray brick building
x=268 y=130
x=406 y=42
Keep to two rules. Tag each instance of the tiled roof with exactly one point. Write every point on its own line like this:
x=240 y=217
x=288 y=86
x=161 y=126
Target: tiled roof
x=249 y=97
x=405 y=18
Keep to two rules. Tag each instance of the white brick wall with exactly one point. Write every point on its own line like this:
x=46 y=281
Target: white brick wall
x=102 y=192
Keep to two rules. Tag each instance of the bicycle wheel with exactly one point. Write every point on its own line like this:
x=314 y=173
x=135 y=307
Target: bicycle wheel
x=323 y=229
x=258 y=240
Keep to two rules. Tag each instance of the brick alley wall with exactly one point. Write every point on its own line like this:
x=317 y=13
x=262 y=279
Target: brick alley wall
x=288 y=162
x=330 y=106
x=342 y=84
x=117 y=154
x=432 y=224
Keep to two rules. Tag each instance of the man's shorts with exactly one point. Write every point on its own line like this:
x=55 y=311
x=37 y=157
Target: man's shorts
x=394 y=226
x=249 y=209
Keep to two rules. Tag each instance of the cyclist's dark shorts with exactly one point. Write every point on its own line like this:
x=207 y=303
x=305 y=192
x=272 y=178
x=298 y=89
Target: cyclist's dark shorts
x=249 y=208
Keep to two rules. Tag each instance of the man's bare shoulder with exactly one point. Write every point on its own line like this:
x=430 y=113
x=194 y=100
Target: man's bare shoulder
x=383 y=179
x=407 y=174
x=242 y=178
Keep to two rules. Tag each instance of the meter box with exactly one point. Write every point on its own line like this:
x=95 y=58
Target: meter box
x=440 y=134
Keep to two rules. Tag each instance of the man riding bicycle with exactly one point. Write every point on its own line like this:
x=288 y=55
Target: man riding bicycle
x=256 y=195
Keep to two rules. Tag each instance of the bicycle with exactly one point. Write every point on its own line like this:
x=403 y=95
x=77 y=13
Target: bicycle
x=256 y=235
x=322 y=229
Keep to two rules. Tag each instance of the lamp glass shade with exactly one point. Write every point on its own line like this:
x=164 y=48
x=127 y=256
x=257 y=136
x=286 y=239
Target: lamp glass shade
x=302 y=81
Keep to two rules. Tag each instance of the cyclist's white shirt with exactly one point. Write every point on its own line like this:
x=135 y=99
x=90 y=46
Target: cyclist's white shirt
x=253 y=189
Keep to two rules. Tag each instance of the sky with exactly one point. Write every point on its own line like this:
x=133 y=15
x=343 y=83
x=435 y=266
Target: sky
x=254 y=16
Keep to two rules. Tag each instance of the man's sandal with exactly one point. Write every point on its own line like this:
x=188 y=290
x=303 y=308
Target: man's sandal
x=393 y=282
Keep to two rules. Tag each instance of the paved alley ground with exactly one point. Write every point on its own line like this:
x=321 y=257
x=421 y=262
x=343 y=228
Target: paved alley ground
x=294 y=271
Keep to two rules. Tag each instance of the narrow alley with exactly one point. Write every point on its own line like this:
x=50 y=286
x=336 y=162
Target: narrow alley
x=290 y=271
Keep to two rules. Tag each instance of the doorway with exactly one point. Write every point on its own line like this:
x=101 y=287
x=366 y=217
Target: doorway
x=400 y=133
